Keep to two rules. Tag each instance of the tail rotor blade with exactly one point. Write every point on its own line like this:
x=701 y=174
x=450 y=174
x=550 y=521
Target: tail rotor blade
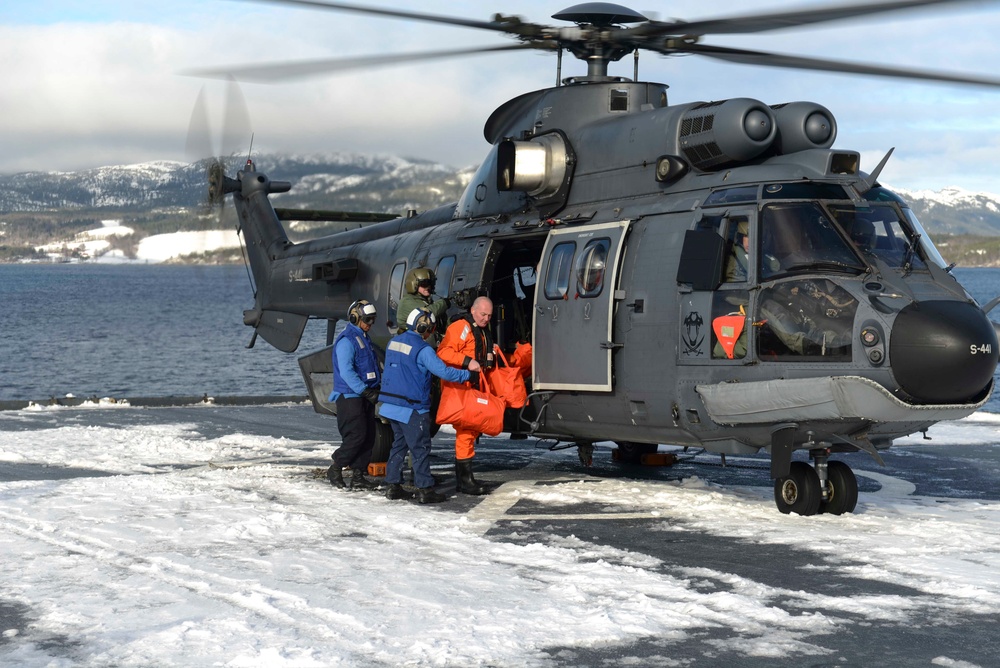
x=236 y=128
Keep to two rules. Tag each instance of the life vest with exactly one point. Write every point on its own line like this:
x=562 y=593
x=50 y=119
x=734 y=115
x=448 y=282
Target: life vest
x=403 y=382
x=365 y=362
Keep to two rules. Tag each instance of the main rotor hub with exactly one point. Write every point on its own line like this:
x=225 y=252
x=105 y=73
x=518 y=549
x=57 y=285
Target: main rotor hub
x=599 y=14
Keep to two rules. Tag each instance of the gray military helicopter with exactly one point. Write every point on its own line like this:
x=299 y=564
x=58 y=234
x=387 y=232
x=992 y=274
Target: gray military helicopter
x=709 y=274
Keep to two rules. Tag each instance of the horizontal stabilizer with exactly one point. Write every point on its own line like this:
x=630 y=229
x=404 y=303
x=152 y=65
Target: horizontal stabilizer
x=281 y=330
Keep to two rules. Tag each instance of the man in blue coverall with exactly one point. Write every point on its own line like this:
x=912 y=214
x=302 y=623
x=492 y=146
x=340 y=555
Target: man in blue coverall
x=356 y=378
x=406 y=404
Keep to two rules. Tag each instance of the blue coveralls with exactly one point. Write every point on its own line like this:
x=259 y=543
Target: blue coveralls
x=406 y=403
x=355 y=368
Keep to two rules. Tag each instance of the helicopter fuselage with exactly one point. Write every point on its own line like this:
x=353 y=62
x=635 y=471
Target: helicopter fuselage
x=707 y=274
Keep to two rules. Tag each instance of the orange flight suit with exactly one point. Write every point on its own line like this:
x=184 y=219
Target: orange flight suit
x=462 y=343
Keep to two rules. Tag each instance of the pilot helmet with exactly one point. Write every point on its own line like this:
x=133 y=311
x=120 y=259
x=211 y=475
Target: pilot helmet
x=361 y=311
x=863 y=233
x=420 y=321
x=742 y=232
x=417 y=277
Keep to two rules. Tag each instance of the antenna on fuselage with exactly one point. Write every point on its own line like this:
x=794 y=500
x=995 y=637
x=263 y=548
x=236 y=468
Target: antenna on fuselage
x=869 y=183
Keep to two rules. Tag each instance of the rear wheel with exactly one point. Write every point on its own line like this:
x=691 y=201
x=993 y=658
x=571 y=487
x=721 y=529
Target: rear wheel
x=798 y=492
x=841 y=489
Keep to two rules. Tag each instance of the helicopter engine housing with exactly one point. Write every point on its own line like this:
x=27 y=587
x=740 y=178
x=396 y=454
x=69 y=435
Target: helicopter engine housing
x=803 y=126
x=537 y=166
x=713 y=135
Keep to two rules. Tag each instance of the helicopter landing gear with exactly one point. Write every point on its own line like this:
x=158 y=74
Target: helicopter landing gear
x=830 y=487
x=841 y=488
x=799 y=491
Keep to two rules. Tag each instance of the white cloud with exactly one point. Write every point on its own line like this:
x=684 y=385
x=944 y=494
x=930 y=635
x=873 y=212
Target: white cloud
x=104 y=91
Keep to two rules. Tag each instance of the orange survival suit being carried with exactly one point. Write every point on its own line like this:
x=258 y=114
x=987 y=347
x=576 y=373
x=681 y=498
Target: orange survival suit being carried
x=468 y=338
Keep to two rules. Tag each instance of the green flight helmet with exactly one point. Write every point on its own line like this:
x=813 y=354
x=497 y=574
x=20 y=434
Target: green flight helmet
x=417 y=276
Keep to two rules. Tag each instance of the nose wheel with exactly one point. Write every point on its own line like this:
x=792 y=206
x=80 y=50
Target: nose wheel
x=829 y=487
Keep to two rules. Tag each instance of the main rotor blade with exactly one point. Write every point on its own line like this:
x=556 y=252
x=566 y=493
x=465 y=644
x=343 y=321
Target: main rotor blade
x=298 y=69
x=753 y=23
x=800 y=63
x=396 y=13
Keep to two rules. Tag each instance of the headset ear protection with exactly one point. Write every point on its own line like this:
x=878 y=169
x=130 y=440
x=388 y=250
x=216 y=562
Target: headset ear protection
x=421 y=321
x=359 y=310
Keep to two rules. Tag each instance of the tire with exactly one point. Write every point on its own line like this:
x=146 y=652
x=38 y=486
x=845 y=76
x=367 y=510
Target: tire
x=383 y=442
x=798 y=492
x=630 y=452
x=842 y=489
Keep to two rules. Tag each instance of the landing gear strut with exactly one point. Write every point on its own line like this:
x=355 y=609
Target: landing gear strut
x=826 y=487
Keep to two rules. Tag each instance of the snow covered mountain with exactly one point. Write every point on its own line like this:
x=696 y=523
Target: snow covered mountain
x=358 y=183
x=337 y=181
x=57 y=213
x=955 y=211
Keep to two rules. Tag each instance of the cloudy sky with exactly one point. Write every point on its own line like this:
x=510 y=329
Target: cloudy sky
x=98 y=83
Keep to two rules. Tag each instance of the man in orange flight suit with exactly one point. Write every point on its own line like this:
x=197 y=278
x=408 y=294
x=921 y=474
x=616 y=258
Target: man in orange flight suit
x=467 y=339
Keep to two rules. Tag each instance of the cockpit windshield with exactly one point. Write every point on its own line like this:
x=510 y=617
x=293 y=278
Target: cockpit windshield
x=799 y=237
x=877 y=230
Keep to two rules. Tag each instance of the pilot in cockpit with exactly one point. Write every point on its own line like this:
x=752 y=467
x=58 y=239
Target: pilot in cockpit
x=863 y=235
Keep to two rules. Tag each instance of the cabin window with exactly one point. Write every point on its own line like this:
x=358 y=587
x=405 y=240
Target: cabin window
x=805 y=320
x=557 y=274
x=445 y=268
x=590 y=267
x=395 y=288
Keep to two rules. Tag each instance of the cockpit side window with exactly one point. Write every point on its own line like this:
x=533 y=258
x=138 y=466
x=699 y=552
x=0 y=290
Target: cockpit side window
x=930 y=251
x=738 y=250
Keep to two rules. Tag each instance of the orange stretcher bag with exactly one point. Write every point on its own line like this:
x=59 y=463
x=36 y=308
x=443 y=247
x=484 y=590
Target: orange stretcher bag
x=466 y=408
x=521 y=358
x=507 y=382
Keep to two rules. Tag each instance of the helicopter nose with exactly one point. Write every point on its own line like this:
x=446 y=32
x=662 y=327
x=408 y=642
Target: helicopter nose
x=943 y=352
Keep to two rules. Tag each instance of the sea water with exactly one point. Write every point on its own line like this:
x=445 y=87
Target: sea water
x=168 y=330
x=136 y=331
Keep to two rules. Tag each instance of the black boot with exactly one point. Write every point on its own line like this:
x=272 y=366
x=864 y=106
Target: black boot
x=465 y=482
x=335 y=475
x=396 y=492
x=428 y=495
x=360 y=482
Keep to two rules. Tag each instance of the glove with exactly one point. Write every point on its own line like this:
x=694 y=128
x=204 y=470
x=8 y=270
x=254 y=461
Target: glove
x=371 y=394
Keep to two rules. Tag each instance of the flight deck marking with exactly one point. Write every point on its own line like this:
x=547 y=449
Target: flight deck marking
x=494 y=507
